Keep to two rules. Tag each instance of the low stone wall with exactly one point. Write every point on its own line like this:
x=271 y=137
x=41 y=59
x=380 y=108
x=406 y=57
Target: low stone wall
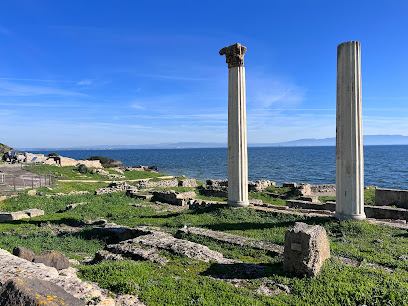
x=311 y=205
x=388 y=197
x=162 y=183
x=172 y=197
x=188 y=182
x=377 y=212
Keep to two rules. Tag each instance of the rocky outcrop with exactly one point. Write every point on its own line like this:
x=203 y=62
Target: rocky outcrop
x=148 y=247
x=143 y=168
x=67 y=279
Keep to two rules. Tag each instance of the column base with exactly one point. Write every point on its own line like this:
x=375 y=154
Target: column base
x=341 y=216
x=238 y=203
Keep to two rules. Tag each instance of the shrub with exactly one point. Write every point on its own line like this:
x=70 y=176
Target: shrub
x=82 y=169
x=53 y=154
x=107 y=162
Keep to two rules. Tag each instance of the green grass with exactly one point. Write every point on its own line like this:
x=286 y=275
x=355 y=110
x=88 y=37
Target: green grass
x=185 y=281
x=71 y=173
x=369 y=197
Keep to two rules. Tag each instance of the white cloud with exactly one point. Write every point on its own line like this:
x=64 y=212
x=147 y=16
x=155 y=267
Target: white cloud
x=85 y=82
x=265 y=92
x=13 y=89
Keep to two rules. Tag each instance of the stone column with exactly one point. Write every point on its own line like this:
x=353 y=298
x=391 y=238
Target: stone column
x=237 y=134
x=349 y=134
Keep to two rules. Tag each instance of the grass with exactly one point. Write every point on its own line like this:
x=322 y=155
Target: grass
x=369 y=197
x=184 y=281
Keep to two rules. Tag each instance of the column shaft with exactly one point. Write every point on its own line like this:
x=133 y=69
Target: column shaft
x=237 y=139
x=349 y=135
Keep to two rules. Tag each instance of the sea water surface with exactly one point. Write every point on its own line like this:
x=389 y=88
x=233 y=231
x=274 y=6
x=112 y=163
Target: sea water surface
x=384 y=166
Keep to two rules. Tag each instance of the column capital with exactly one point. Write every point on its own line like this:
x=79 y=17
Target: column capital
x=234 y=55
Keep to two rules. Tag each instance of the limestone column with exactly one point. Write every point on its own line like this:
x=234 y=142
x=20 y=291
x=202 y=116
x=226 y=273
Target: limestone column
x=349 y=134
x=237 y=134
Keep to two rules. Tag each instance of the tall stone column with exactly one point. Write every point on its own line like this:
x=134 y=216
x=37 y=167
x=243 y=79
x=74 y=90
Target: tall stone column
x=237 y=134
x=349 y=134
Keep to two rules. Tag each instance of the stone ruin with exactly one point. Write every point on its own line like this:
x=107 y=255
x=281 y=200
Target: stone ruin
x=115 y=187
x=173 y=197
x=306 y=249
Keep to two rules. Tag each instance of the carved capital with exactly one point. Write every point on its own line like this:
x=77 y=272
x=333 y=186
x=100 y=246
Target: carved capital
x=234 y=55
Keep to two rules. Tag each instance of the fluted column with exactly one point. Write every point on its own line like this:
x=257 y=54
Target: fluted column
x=237 y=134
x=349 y=134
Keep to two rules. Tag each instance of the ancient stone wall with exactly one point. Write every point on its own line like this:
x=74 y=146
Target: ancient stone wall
x=388 y=197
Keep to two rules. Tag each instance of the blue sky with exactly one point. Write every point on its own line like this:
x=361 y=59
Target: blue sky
x=77 y=73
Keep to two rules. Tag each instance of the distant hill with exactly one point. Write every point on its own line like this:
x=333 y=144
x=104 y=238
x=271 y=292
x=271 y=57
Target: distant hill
x=4 y=149
x=367 y=140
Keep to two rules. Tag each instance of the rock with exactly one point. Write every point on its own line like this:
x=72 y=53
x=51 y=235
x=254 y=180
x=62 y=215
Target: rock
x=32 y=192
x=52 y=259
x=291 y=185
x=217 y=183
x=73 y=192
x=233 y=239
x=34 y=212
x=100 y=171
x=30 y=291
x=173 y=197
x=25 y=253
x=260 y=186
x=17 y=215
x=161 y=183
x=188 y=182
x=306 y=249
x=106 y=255
x=115 y=187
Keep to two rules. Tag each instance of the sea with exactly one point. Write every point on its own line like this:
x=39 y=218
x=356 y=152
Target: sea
x=384 y=166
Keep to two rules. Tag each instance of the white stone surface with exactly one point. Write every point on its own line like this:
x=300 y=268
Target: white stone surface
x=237 y=139
x=349 y=134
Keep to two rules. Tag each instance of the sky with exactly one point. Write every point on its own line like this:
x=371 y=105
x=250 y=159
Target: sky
x=85 y=73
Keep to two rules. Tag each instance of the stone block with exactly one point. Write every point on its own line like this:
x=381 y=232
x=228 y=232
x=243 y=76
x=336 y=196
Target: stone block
x=188 y=182
x=10 y=216
x=34 y=212
x=52 y=259
x=389 y=197
x=32 y=192
x=25 y=253
x=172 y=197
x=259 y=186
x=291 y=185
x=306 y=249
x=30 y=291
